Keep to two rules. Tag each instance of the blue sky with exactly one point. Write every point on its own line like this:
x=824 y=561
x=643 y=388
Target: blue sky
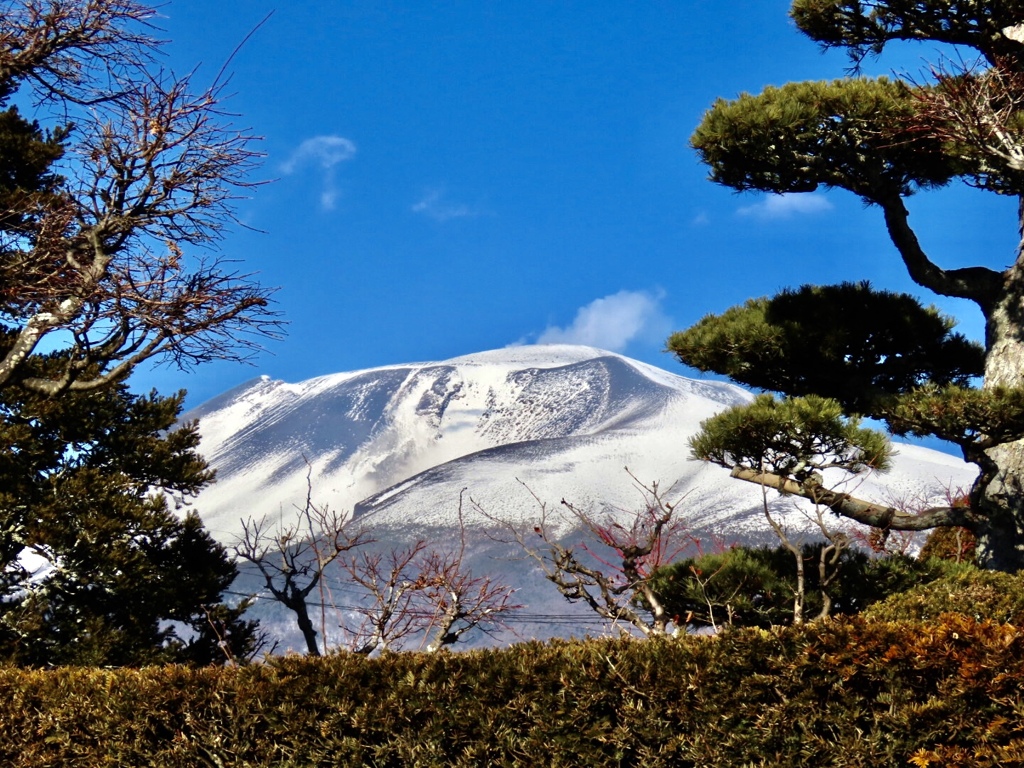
x=451 y=177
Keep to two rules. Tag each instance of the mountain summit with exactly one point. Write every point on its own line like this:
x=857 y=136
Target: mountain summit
x=398 y=444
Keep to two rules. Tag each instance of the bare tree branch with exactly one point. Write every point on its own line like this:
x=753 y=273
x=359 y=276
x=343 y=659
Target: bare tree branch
x=70 y=51
x=391 y=584
x=292 y=558
x=153 y=167
x=460 y=601
x=424 y=592
x=978 y=284
x=614 y=577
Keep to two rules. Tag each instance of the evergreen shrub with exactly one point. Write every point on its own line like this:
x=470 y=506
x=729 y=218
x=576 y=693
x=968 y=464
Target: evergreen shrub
x=964 y=589
x=845 y=692
x=755 y=586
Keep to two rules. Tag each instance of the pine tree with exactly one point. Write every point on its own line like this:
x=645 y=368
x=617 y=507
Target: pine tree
x=99 y=205
x=97 y=567
x=864 y=351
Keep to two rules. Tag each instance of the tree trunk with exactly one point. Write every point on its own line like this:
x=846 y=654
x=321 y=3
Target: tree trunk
x=305 y=625
x=998 y=494
x=997 y=497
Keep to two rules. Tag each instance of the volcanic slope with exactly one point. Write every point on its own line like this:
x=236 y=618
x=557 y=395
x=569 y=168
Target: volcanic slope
x=398 y=446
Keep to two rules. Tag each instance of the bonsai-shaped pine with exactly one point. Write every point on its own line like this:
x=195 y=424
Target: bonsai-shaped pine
x=864 y=351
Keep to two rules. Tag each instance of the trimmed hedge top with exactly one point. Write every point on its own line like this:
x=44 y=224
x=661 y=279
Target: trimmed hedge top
x=849 y=692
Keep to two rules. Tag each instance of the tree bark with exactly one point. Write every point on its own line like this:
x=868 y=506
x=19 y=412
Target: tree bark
x=997 y=496
x=998 y=493
x=866 y=512
x=305 y=625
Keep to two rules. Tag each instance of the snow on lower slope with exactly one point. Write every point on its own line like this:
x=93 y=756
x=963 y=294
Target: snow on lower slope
x=398 y=444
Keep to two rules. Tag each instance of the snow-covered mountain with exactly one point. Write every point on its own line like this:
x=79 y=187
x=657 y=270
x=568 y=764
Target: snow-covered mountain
x=396 y=445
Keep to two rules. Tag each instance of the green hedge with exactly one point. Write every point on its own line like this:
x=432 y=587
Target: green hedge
x=842 y=693
x=964 y=589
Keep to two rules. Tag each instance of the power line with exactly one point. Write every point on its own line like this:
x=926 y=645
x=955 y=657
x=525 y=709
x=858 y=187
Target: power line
x=512 y=616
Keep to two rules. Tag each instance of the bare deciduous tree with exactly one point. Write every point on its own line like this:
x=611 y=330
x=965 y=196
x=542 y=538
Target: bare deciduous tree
x=292 y=558
x=425 y=592
x=977 y=110
x=458 y=600
x=388 y=611
x=415 y=593
x=611 y=571
x=147 y=167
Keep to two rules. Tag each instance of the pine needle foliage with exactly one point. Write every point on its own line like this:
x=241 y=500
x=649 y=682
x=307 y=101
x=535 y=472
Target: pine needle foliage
x=755 y=587
x=975 y=417
x=792 y=437
x=805 y=135
x=866 y=27
x=97 y=567
x=885 y=140
x=850 y=342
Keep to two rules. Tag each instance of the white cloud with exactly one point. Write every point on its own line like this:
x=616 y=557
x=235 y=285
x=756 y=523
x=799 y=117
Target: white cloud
x=328 y=196
x=434 y=205
x=322 y=153
x=611 y=322
x=785 y=206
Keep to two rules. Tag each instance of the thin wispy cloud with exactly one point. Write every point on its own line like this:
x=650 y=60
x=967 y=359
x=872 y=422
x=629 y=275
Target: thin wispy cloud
x=786 y=206
x=434 y=205
x=321 y=153
x=612 y=322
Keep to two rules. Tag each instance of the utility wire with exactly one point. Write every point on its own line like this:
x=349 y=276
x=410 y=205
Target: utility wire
x=513 y=617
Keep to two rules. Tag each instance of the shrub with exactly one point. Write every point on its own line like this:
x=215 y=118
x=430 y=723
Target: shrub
x=845 y=692
x=965 y=589
x=950 y=543
x=756 y=586
x=748 y=587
